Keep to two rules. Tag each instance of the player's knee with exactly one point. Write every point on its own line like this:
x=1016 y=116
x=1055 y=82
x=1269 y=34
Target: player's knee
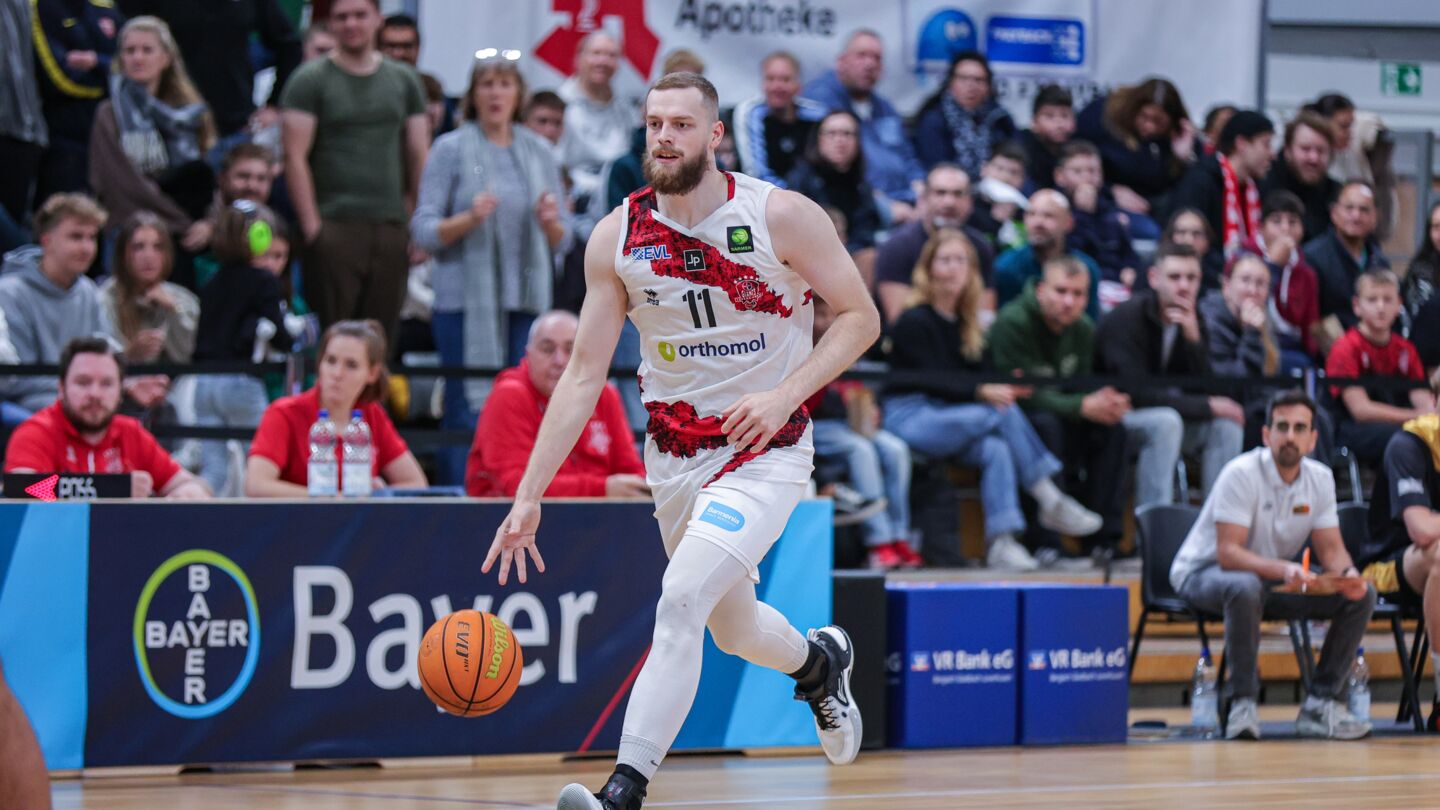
x=677 y=615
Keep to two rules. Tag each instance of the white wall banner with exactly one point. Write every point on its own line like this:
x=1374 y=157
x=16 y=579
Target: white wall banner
x=1210 y=50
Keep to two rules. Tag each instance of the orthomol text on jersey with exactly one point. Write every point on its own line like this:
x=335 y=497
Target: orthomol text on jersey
x=670 y=351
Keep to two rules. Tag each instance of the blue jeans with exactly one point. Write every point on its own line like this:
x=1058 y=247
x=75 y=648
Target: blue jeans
x=1001 y=443
x=227 y=400
x=879 y=467
x=448 y=329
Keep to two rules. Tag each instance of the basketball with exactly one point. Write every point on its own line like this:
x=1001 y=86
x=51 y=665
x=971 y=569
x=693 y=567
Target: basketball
x=469 y=663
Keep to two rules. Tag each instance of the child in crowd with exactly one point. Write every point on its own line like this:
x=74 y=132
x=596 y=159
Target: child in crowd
x=1052 y=125
x=1367 y=419
x=1294 y=287
x=999 y=201
x=1101 y=228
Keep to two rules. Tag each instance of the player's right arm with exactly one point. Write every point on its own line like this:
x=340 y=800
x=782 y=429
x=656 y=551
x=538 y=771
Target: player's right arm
x=601 y=317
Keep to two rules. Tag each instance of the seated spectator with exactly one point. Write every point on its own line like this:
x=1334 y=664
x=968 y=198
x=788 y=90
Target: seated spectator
x=1239 y=548
x=317 y=41
x=247 y=172
x=1045 y=333
x=1403 y=555
x=772 y=129
x=1303 y=170
x=1052 y=125
x=1145 y=139
x=1294 y=289
x=999 y=203
x=598 y=122
x=1421 y=293
x=1189 y=227
x=1223 y=186
x=1237 y=323
x=233 y=309
x=1348 y=249
x=148 y=147
x=1101 y=230
x=154 y=319
x=1215 y=119
x=877 y=462
x=832 y=173
x=603 y=463
x=352 y=377
x=891 y=167
x=1158 y=333
x=83 y=432
x=46 y=296
x=1047 y=227
x=544 y=115
x=1365 y=420
x=980 y=426
x=945 y=202
x=962 y=123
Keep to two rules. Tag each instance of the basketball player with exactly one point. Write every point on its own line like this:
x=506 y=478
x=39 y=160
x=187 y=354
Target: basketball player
x=23 y=779
x=715 y=269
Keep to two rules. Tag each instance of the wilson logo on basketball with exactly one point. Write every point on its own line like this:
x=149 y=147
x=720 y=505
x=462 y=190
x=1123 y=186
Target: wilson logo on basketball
x=197 y=634
x=497 y=651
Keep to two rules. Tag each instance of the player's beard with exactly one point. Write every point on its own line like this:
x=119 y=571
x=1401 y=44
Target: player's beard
x=84 y=425
x=681 y=178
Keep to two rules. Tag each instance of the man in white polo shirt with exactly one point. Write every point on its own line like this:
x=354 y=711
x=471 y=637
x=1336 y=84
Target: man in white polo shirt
x=1265 y=504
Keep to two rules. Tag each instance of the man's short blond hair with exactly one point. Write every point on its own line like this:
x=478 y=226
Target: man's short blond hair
x=60 y=207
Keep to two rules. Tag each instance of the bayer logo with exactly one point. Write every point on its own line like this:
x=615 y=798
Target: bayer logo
x=946 y=33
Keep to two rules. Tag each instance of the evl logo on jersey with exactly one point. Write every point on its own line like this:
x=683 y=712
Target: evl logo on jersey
x=649 y=253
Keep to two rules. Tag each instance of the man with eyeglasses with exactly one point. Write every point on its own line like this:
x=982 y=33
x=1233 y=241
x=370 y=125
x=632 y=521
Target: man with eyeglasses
x=400 y=40
x=1263 y=507
x=945 y=202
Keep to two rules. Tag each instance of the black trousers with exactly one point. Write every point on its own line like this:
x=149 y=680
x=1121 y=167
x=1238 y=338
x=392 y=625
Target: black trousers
x=1093 y=456
x=21 y=160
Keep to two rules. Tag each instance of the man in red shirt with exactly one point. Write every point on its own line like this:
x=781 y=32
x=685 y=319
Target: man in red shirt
x=82 y=433
x=603 y=463
x=1372 y=349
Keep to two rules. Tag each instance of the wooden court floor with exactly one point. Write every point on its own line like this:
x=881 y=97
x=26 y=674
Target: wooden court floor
x=1384 y=771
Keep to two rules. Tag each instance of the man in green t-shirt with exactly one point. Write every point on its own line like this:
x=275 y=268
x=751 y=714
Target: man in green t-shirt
x=1044 y=332
x=356 y=139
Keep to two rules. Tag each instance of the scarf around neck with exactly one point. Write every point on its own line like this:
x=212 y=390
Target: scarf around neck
x=154 y=135
x=1239 y=222
x=969 y=133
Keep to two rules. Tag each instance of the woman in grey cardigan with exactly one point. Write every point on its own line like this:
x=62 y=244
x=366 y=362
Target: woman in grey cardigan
x=489 y=211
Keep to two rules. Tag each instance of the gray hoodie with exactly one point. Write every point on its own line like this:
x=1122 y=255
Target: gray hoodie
x=42 y=318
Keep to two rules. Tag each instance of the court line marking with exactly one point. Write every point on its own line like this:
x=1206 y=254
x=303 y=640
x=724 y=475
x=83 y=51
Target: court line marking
x=1049 y=789
x=361 y=794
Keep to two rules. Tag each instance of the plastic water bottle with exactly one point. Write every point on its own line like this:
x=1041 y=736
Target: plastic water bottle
x=1205 y=697
x=323 y=472
x=355 y=449
x=1359 y=685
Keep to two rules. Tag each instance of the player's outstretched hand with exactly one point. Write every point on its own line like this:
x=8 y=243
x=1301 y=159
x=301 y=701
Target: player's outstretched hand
x=514 y=538
x=755 y=418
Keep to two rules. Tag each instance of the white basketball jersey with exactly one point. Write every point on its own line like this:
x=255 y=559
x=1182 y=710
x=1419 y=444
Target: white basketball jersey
x=719 y=315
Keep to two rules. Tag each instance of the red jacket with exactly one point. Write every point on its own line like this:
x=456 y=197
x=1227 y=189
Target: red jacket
x=1294 y=298
x=506 y=434
x=48 y=442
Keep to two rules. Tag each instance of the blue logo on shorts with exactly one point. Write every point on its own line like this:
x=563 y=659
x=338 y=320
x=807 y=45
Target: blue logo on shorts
x=718 y=514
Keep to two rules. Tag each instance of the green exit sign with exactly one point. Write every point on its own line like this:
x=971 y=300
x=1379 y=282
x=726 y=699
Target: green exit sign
x=1400 y=78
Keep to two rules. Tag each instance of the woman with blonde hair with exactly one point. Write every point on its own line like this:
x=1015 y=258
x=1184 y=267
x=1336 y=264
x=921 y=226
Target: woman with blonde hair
x=489 y=211
x=154 y=318
x=148 y=145
x=940 y=337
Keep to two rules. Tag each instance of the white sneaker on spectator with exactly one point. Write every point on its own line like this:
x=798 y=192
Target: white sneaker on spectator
x=1006 y=552
x=1244 y=721
x=1329 y=719
x=1067 y=516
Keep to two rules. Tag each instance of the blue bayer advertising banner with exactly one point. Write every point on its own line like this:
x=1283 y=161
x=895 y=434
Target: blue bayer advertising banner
x=244 y=632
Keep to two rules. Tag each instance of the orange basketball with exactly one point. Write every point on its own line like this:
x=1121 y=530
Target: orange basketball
x=470 y=663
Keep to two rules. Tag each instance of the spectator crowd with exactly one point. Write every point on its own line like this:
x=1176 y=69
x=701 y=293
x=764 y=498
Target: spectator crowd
x=357 y=214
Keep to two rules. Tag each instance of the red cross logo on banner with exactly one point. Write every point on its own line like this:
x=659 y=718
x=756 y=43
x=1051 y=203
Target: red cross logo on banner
x=639 y=43
x=44 y=489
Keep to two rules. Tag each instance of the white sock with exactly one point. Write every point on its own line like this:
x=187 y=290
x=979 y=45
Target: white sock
x=1435 y=667
x=1046 y=493
x=640 y=754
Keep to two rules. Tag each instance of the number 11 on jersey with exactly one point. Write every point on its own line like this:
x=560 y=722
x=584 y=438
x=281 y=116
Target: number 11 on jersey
x=694 y=299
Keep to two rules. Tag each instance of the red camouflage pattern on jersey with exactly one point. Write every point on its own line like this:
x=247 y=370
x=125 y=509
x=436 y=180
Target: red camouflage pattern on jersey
x=740 y=283
x=678 y=430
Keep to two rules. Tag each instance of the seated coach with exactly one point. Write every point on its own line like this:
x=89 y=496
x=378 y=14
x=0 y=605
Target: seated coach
x=1265 y=504
x=81 y=432
x=603 y=463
